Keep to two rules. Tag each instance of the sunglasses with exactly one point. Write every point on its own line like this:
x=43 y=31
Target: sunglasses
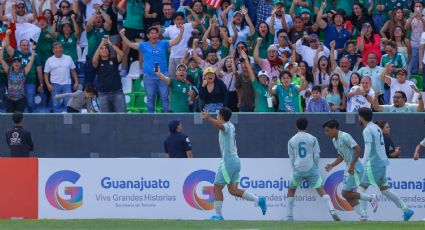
x=18 y=61
x=65 y=7
x=335 y=79
x=397 y=97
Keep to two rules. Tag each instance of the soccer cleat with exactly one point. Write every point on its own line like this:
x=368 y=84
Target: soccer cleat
x=374 y=203
x=216 y=217
x=334 y=215
x=290 y=219
x=363 y=218
x=262 y=204
x=408 y=214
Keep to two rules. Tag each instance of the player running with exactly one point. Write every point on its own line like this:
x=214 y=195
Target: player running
x=418 y=149
x=304 y=152
x=228 y=172
x=349 y=151
x=375 y=160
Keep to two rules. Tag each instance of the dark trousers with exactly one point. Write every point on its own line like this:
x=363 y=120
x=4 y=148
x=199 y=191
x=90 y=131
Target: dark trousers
x=15 y=106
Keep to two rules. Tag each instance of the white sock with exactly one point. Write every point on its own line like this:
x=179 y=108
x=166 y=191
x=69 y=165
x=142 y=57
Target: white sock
x=328 y=202
x=359 y=210
x=363 y=203
x=365 y=196
x=218 y=205
x=395 y=199
x=290 y=206
x=250 y=197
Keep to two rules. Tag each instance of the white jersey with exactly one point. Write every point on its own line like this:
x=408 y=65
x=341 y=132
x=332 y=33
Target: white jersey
x=377 y=156
x=304 y=151
x=227 y=140
x=422 y=143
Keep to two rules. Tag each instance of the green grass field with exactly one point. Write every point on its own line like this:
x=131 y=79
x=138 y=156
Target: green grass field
x=185 y=224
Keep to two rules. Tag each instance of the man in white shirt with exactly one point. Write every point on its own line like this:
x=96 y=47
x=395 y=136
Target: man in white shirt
x=308 y=52
x=178 y=51
x=281 y=19
x=59 y=67
x=374 y=71
x=361 y=95
x=399 y=84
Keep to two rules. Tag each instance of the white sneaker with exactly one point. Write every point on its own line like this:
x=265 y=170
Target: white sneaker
x=374 y=203
x=334 y=215
x=363 y=218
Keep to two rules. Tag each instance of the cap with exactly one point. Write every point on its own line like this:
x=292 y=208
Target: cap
x=185 y=67
x=314 y=36
x=19 y=2
x=16 y=59
x=209 y=70
x=237 y=12
x=278 y=2
x=305 y=11
x=172 y=125
x=272 y=47
x=404 y=71
x=263 y=73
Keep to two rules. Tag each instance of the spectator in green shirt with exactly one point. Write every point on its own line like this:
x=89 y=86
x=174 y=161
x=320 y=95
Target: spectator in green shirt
x=180 y=88
x=97 y=27
x=68 y=37
x=267 y=34
x=45 y=41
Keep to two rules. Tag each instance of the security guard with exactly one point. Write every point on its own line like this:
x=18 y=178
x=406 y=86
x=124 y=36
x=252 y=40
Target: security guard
x=18 y=139
x=177 y=145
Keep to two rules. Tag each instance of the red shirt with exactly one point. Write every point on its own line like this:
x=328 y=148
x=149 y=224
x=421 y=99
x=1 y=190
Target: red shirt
x=371 y=48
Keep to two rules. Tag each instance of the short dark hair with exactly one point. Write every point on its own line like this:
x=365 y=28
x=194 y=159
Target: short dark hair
x=225 y=113
x=17 y=117
x=152 y=28
x=366 y=113
x=316 y=88
x=403 y=94
x=177 y=14
x=351 y=42
x=331 y=124
x=90 y=88
x=302 y=123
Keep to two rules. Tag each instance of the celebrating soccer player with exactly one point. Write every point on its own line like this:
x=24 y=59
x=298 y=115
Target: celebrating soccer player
x=375 y=159
x=304 y=152
x=349 y=151
x=228 y=172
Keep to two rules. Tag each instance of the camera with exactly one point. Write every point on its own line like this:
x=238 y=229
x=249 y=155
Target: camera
x=241 y=59
x=156 y=68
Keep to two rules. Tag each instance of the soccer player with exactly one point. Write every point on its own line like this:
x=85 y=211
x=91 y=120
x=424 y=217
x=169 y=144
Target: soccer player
x=375 y=159
x=228 y=172
x=304 y=152
x=349 y=152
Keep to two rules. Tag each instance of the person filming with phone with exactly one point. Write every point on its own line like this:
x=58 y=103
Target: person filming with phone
x=154 y=50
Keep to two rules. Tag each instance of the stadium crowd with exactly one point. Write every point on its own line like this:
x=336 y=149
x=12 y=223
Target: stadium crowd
x=187 y=56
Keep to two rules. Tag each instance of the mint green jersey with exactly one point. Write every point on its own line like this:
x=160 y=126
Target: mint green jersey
x=377 y=156
x=344 y=146
x=304 y=152
x=227 y=140
x=422 y=143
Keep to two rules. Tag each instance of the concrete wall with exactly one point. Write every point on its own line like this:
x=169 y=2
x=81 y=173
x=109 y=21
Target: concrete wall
x=142 y=135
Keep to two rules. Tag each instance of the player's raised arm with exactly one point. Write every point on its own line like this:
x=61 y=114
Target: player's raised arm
x=332 y=165
x=216 y=123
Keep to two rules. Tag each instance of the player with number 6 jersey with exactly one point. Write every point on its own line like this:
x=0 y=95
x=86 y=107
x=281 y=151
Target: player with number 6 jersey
x=304 y=152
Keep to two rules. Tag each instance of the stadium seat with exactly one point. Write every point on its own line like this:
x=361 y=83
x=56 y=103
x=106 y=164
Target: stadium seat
x=418 y=80
x=134 y=72
x=127 y=85
x=130 y=101
x=138 y=86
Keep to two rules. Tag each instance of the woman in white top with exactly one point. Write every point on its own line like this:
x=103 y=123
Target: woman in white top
x=227 y=72
x=239 y=22
x=403 y=44
x=321 y=69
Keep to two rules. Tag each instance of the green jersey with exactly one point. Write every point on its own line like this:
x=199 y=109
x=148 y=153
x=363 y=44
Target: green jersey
x=304 y=152
x=376 y=156
x=179 y=96
x=344 y=146
x=195 y=75
x=25 y=59
x=94 y=38
x=44 y=45
x=261 y=98
x=69 y=45
x=227 y=140
x=135 y=9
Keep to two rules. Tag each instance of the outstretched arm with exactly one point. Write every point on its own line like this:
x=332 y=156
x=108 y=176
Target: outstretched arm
x=133 y=45
x=216 y=123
